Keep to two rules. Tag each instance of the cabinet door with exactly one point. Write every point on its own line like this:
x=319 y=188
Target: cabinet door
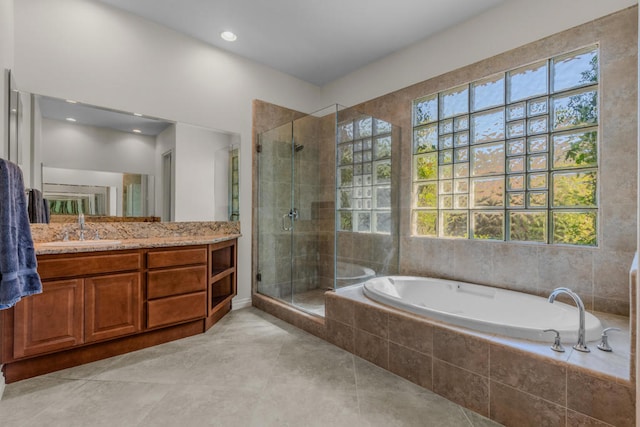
x=113 y=306
x=49 y=321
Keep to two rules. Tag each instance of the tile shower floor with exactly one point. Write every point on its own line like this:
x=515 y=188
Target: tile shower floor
x=311 y=301
x=250 y=369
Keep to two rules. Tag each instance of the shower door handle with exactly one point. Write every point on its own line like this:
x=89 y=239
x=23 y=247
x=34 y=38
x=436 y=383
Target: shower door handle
x=286 y=218
x=291 y=216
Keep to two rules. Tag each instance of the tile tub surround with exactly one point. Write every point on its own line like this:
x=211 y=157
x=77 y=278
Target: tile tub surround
x=134 y=230
x=513 y=382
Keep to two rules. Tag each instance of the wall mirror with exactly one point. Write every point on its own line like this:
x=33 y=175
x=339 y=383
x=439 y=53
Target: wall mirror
x=106 y=162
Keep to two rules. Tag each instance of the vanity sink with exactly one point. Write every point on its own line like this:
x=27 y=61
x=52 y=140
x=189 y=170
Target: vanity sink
x=76 y=243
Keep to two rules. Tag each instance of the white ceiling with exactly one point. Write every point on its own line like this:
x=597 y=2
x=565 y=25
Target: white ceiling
x=315 y=40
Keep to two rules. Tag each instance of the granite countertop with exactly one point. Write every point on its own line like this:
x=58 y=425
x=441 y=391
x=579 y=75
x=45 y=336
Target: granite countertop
x=49 y=248
x=49 y=238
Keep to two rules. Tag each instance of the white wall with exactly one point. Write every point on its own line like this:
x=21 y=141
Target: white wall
x=511 y=24
x=36 y=145
x=165 y=141
x=24 y=138
x=195 y=155
x=67 y=145
x=6 y=63
x=221 y=183
x=637 y=319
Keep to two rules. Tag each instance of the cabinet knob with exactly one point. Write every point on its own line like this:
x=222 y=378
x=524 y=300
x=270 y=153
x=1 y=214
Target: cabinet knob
x=604 y=342
x=556 y=346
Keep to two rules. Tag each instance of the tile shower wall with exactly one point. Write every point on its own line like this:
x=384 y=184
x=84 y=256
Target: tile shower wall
x=599 y=275
x=324 y=207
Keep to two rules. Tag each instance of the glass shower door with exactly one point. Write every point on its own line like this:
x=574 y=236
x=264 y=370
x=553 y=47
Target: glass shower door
x=296 y=215
x=275 y=213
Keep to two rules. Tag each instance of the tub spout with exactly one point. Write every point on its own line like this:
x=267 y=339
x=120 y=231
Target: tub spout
x=580 y=346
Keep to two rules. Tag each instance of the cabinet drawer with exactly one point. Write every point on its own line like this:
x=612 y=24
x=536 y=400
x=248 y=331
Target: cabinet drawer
x=82 y=265
x=176 y=281
x=177 y=257
x=170 y=310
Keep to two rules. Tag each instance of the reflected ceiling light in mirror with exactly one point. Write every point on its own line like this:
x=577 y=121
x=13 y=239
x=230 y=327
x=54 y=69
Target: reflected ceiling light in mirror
x=228 y=36
x=70 y=119
x=90 y=115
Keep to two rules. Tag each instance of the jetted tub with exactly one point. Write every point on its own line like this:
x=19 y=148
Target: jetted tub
x=483 y=308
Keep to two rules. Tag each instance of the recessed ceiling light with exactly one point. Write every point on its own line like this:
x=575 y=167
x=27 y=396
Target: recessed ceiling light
x=70 y=119
x=137 y=114
x=137 y=131
x=71 y=101
x=228 y=36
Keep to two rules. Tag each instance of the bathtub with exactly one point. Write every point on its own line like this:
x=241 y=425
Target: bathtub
x=482 y=308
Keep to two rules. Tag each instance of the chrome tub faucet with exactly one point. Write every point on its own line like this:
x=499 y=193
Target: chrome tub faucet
x=580 y=346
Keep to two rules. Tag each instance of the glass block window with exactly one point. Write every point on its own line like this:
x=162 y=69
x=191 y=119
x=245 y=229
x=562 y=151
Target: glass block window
x=234 y=184
x=513 y=156
x=363 y=176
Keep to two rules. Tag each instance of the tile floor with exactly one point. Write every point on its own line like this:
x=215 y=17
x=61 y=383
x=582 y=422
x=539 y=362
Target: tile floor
x=250 y=369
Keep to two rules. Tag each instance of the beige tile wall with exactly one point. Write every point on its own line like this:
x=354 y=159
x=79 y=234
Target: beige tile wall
x=599 y=275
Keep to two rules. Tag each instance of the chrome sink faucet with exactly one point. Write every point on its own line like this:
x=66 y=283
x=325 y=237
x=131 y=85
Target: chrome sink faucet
x=580 y=346
x=81 y=223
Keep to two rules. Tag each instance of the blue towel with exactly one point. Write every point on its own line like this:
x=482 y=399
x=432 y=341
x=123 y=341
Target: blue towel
x=46 y=210
x=18 y=266
x=36 y=207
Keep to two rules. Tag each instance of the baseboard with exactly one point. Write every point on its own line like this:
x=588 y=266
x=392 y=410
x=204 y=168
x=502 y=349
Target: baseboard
x=239 y=303
x=1 y=383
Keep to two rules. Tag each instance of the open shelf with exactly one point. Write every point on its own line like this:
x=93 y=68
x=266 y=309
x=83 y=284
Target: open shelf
x=222 y=275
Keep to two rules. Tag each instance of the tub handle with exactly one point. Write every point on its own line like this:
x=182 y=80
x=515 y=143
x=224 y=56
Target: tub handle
x=604 y=343
x=556 y=342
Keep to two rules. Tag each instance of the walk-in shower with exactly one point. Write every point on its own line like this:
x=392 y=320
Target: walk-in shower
x=326 y=194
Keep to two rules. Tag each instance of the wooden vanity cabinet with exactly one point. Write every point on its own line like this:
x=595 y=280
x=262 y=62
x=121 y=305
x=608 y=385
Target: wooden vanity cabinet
x=87 y=306
x=100 y=304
